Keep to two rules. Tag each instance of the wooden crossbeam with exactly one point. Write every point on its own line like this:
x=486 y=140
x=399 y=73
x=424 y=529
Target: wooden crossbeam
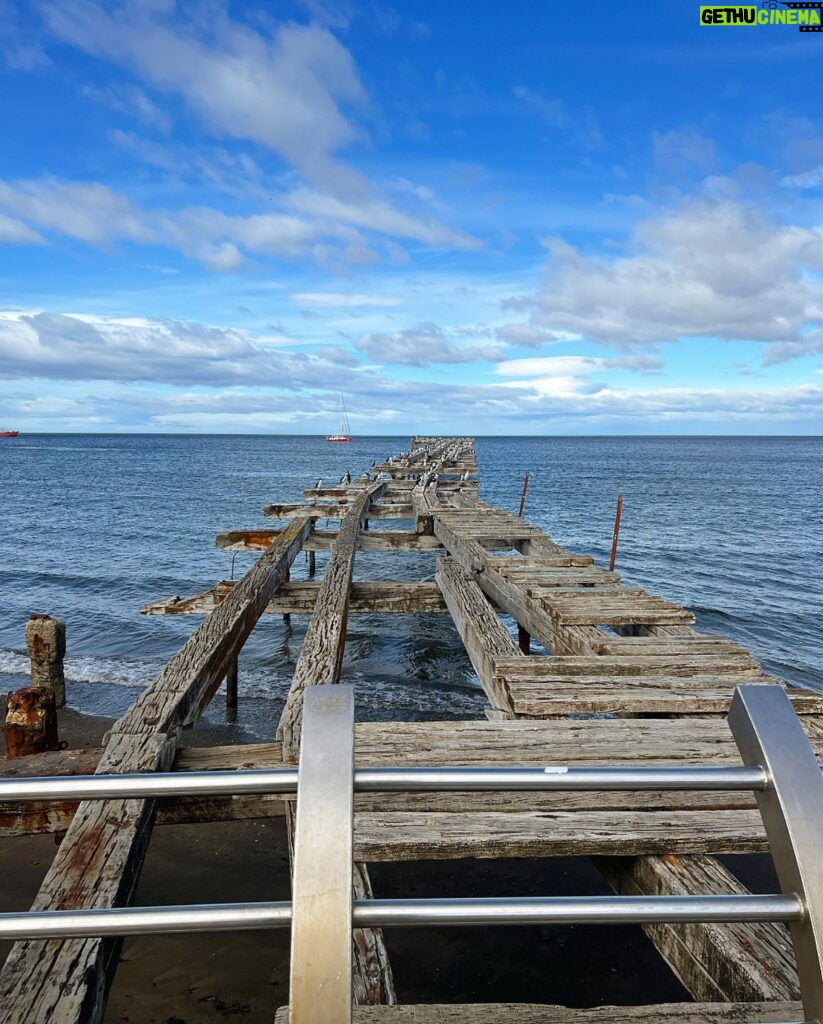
x=367 y=598
x=325 y=540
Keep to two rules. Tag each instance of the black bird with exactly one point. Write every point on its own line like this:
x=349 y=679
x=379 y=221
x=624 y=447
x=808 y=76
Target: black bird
x=317 y=485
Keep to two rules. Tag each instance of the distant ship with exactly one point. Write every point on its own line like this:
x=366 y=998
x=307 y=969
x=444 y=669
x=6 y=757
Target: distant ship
x=344 y=436
x=9 y=433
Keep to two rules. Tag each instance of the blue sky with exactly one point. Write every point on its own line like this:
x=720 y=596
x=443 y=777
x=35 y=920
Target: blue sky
x=488 y=218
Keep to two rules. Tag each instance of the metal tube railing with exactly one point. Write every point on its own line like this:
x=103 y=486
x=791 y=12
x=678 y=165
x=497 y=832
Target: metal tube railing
x=551 y=778
x=72 y=924
x=781 y=769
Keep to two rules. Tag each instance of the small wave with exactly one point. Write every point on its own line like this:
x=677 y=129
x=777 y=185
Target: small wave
x=89 y=669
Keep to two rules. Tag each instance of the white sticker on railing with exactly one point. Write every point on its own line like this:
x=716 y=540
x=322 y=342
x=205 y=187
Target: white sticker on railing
x=559 y=770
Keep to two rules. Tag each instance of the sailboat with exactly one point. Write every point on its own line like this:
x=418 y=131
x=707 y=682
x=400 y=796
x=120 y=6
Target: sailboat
x=344 y=435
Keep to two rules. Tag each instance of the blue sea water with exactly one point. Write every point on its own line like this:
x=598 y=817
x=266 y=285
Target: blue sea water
x=94 y=526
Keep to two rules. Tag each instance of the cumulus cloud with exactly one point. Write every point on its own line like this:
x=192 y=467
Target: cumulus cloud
x=421 y=346
x=707 y=268
x=285 y=90
x=79 y=347
x=532 y=336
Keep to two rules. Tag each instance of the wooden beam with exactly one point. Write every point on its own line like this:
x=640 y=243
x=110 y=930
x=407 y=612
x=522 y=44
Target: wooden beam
x=337 y=510
x=320 y=662
x=377 y=597
x=321 y=656
x=483 y=634
x=99 y=862
x=530 y=1013
x=325 y=540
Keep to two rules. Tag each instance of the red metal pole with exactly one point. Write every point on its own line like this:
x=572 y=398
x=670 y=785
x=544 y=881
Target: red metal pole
x=617 y=516
x=523 y=495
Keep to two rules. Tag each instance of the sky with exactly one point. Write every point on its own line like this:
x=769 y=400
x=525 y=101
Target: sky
x=480 y=218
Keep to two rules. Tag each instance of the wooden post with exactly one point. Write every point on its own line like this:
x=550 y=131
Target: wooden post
x=312 y=565
x=31 y=721
x=231 y=686
x=286 y=578
x=617 y=516
x=46 y=643
x=523 y=495
x=524 y=640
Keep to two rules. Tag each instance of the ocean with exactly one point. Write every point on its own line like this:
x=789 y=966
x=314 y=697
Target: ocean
x=94 y=526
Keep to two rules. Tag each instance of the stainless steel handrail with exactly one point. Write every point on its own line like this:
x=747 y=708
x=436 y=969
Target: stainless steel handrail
x=70 y=924
x=551 y=778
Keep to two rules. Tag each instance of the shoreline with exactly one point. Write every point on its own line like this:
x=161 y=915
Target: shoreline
x=195 y=979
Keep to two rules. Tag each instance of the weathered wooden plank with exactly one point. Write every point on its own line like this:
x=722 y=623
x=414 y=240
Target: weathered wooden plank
x=325 y=540
x=645 y=695
x=336 y=510
x=321 y=656
x=320 y=663
x=716 y=962
x=670 y=665
x=381 y=597
x=489 y=835
x=530 y=1013
x=483 y=634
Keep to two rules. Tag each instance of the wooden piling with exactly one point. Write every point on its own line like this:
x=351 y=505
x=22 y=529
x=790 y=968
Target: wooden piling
x=31 y=721
x=231 y=686
x=46 y=643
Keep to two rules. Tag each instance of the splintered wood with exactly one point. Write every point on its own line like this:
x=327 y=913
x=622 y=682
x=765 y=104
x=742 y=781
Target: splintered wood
x=624 y=679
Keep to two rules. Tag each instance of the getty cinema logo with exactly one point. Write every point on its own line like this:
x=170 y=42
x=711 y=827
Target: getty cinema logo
x=807 y=16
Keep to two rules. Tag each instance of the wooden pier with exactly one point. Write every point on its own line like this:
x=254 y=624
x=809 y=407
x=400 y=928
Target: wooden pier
x=622 y=677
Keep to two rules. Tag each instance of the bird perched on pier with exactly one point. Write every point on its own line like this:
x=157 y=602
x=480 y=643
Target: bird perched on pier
x=366 y=476
x=317 y=485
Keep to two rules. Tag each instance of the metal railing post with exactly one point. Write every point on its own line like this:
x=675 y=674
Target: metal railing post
x=322 y=890
x=769 y=734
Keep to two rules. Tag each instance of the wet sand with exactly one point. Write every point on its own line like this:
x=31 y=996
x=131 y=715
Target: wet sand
x=194 y=979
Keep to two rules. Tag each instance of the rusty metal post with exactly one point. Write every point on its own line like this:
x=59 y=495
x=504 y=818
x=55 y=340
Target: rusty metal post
x=31 y=721
x=46 y=643
x=617 y=516
x=523 y=495
x=524 y=640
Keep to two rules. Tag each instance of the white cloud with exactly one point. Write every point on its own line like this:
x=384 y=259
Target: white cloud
x=707 y=268
x=83 y=347
x=345 y=300
x=549 y=366
x=284 y=89
x=531 y=336
x=86 y=211
x=15 y=232
x=420 y=346
x=128 y=99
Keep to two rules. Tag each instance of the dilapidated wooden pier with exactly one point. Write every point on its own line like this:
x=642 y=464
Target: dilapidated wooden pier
x=578 y=670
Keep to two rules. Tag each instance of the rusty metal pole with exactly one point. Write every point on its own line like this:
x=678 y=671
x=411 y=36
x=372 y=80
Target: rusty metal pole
x=312 y=565
x=31 y=721
x=617 y=516
x=46 y=643
x=523 y=495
